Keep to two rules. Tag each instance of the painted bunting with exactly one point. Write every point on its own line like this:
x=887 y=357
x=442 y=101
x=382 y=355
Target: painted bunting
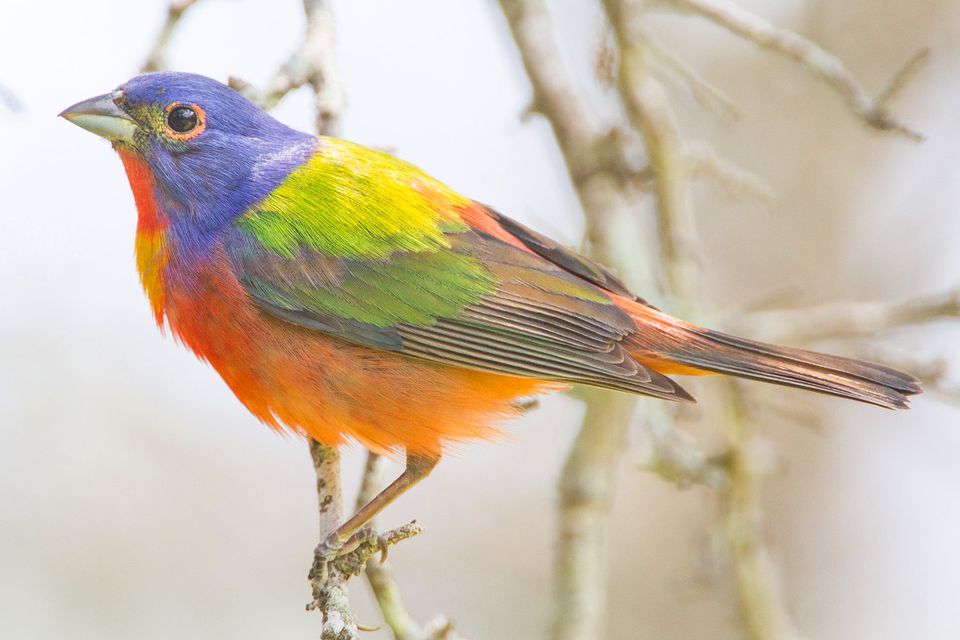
x=342 y=293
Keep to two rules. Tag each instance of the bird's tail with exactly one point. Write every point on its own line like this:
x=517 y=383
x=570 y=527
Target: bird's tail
x=671 y=346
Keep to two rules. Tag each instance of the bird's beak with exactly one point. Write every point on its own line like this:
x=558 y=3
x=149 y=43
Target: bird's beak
x=102 y=116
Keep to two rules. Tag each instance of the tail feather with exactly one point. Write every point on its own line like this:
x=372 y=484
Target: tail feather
x=844 y=377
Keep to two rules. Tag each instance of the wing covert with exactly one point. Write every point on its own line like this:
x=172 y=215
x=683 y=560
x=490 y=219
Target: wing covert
x=457 y=296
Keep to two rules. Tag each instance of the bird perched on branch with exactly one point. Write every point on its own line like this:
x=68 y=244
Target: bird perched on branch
x=342 y=293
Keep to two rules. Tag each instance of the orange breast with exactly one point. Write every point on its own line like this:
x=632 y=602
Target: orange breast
x=306 y=382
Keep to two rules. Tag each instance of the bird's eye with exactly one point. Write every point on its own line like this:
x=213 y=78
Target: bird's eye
x=182 y=119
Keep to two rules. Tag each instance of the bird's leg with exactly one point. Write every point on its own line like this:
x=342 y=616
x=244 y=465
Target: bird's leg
x=353 y=532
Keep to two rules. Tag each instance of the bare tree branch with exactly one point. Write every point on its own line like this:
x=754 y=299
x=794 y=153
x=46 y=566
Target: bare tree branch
x=709 y=97
x=704 y=164
x=577 y=132
x=385 y=589
x=175 y=11
x=755 y=574
x=675 y=456
x=845 y=320
x=874 y=111
x=313 y=64
x=736 y=182
x=649 y=111
x=597 y=166
x=330 y=596
x=586 y=492
x=737 y=479
x=329 y=586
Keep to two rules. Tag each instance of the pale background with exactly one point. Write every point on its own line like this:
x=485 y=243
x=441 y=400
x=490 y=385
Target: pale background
x=139 y=500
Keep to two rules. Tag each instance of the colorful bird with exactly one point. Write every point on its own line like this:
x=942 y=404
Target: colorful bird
x=342 y=293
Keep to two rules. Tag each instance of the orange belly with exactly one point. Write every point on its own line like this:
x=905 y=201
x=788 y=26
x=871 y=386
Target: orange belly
x=307 y=382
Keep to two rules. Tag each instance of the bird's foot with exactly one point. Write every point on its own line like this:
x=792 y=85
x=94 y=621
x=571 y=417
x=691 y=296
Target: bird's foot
x=347 y=558
x=335 y=560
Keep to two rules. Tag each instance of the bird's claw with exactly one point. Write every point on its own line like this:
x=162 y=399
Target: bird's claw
x=332 y=548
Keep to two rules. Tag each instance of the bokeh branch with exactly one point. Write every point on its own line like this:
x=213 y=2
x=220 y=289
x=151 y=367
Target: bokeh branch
x=649 y=112
x=595 y=165
x=601 y=163
x=385 y=589
x=586 y=147
x=648 y=108
x=709 y=97
x=873 y=110
x=759 y=592
x=586 y=484
x=329 y=590
x=313 y=64
x=156 y=59
x=586 y=487
x=846 y=320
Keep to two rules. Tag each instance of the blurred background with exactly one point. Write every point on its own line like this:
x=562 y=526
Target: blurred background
x=140 y=500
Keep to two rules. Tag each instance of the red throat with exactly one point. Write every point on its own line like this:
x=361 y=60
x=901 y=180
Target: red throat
x=150 y=244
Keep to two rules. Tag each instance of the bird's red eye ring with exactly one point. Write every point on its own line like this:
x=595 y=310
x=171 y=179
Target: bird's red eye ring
x=183 y=121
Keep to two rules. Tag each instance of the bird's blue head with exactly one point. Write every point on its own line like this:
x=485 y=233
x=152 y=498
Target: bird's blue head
x=211 y=152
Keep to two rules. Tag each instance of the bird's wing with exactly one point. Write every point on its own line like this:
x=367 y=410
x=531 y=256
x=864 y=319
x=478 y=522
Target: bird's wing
x=363 y=247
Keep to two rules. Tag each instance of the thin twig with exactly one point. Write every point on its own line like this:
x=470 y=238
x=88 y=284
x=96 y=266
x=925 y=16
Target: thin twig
x=330 y=596
x=330 y=587
x=649 y=111
x=675 y=456
x=845 y=320
x=602 y=176
x=708 y=96
x=704 y=164
x=385 y=589
x=313 y=64
x=874 y=111
x=736 y=182
x=758 y=585
x=585 y=495
x=156 y=59
x=754 y=571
